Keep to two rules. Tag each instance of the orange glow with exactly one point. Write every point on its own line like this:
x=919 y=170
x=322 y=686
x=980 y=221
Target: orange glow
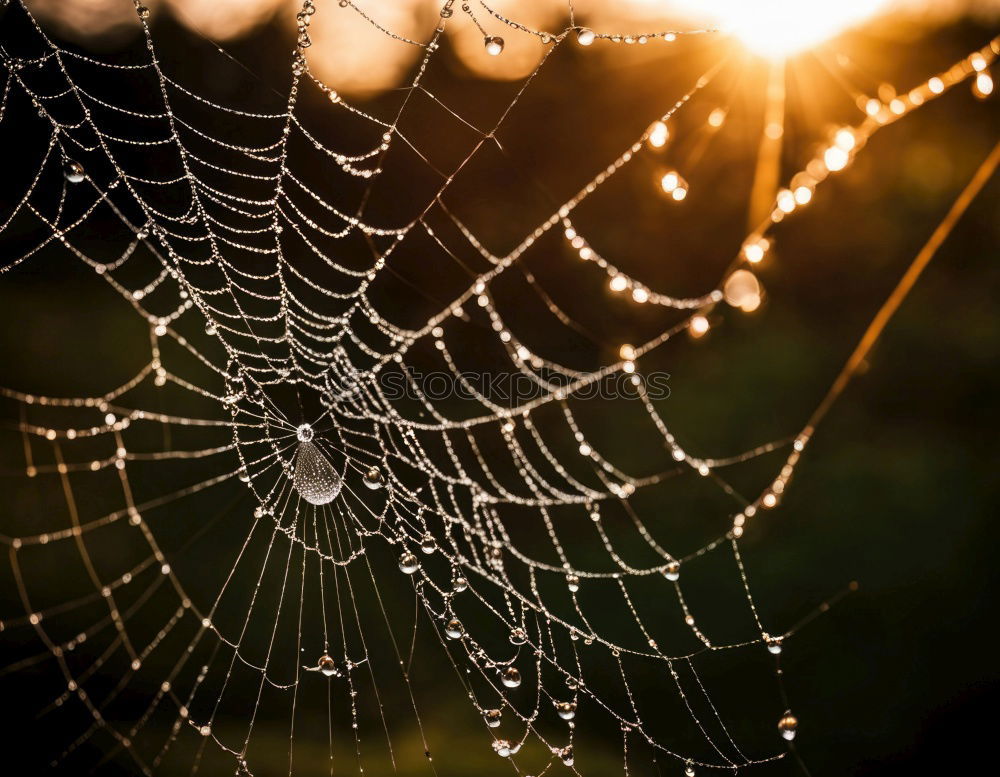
x=86 y=19
x=778 y=28
x=353 y=57
x=225 y=19
x=835 y=158
x=659 y=133
x=356 y=59
x=699 y=325
x=742 y=290
x=982 y=87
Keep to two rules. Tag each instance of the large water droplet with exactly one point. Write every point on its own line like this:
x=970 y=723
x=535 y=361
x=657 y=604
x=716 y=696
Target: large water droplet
x=787 y=726
x=315 y=478
x=74 y=172
x=511 y=677
x=374 y=478
x=408 y=563
x=328 y=666
x=566 y=709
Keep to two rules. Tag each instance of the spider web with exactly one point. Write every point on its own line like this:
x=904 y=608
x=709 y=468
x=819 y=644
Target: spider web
x=363 y=530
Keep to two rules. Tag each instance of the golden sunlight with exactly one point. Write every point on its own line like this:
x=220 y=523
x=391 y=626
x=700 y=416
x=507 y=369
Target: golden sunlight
x=779 y=28
x=358 y=59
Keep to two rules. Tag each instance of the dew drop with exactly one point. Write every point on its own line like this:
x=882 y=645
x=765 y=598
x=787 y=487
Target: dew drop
x=408 y=563
x=672 y=571
x=453 y=629
x=328 y=667
x=315 y=478
x=566 y=709
x=427 y=544
x=787 y=726
x=511 y=677
x=585 y=37
x=742 y=290
x=502 y=747
x=75 y=172
x=374 y=479
x=494 y=45
x=492 y=717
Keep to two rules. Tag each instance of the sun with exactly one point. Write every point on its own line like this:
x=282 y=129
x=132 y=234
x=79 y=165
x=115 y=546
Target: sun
x=776 y=29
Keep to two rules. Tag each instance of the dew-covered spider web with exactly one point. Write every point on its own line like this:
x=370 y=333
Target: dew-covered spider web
x=316 y=507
